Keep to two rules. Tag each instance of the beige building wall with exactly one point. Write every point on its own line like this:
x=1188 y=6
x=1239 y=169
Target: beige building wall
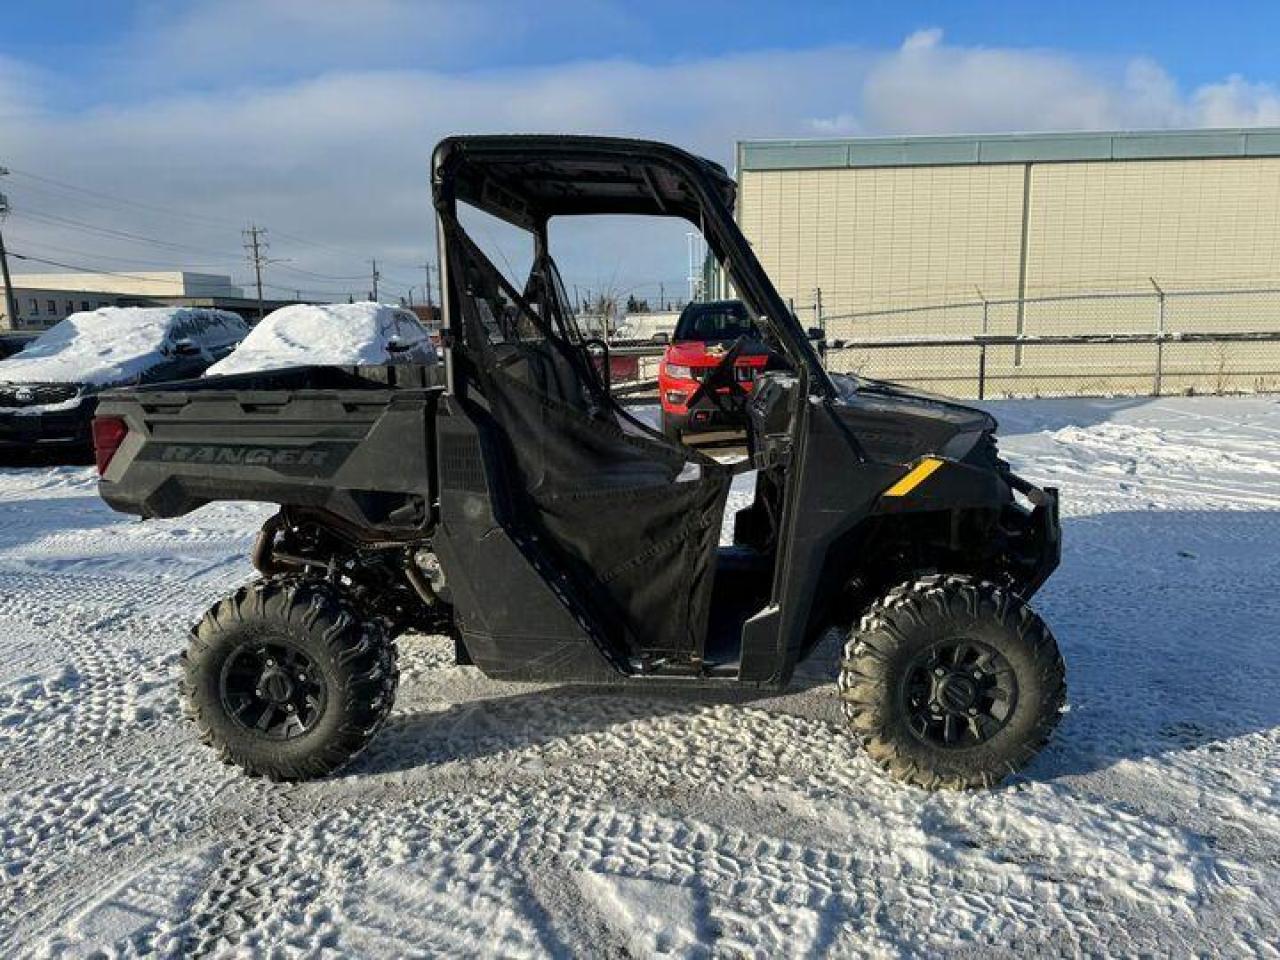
x=893 y=238
x=884 y=237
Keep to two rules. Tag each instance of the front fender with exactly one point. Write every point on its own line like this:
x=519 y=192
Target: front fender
x=933 y=483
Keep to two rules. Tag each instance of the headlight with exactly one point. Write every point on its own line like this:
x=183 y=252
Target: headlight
x=679 y=371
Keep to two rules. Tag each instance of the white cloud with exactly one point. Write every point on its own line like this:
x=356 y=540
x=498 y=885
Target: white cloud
x=1236 y=103
x=923 y=40
x=341 y=154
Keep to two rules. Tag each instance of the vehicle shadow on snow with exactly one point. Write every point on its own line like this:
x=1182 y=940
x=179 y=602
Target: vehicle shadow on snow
x=531 y=717
x=27 y=520
x=1169 y=622
x=1167 y=619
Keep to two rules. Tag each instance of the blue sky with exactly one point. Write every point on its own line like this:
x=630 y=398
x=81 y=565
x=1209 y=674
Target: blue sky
x=316 y=117
x=1197 y=41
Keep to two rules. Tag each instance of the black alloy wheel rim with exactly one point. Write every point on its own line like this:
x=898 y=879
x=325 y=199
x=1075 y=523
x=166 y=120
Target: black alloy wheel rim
x=272 y=689
x=959 y=693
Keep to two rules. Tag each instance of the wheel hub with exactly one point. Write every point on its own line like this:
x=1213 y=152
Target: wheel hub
x=276 y=685
x=958 y=693
x=272 y=689
x=955 y=693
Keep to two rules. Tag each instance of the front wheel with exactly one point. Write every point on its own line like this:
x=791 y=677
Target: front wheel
x=952 y=682
x=285 y=680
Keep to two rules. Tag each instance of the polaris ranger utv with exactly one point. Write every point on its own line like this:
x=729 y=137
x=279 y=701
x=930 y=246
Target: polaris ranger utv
x=512 y=503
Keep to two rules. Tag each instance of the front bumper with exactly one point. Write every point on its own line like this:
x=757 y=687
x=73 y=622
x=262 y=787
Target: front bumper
x=1043 y=533
x=703 y=417
x=37 y=428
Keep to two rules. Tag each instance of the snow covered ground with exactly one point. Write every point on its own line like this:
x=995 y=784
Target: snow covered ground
x=493 y=818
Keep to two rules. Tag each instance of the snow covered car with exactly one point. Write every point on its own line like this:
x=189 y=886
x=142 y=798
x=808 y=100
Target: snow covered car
x=331 y=335
x=48 y=389
x=11 y=343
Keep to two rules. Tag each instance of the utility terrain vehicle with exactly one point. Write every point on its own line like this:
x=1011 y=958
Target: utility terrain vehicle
x=508 y=500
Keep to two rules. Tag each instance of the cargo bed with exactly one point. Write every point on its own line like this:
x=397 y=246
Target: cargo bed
x=356 y=442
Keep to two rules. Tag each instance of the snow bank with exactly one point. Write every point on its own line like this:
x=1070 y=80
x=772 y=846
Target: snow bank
x=339 y=334
x=106 y=346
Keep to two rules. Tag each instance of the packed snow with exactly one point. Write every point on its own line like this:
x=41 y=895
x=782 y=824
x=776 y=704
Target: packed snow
x=111 y=345
x=530 y=820
x=338 y=334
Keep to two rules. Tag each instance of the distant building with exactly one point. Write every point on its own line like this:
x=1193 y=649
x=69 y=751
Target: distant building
x=43 y=299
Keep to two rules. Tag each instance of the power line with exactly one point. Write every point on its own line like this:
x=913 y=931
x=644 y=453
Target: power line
x=321 y=276
x=166 y=264
x=83 y=269
x=181 y=215
x=112 y=233
x=128 y=236
x=140 y=204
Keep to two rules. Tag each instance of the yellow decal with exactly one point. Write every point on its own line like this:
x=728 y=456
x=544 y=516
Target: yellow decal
x=918 y=475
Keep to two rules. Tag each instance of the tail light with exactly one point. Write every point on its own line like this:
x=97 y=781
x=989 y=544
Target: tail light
x=108 y=434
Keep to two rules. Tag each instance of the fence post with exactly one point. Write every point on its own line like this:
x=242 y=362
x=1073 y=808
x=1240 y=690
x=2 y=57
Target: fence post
x=822 y=324
x=1159 y=380
x=982 y=349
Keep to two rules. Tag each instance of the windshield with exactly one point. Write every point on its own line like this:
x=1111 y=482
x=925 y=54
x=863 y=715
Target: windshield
x=716 y=321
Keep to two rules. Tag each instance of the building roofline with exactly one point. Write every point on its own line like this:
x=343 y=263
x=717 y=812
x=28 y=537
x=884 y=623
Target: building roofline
x=990 y=148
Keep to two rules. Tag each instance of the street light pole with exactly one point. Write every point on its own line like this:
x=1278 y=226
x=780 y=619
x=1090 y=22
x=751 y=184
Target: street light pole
x=11 y=302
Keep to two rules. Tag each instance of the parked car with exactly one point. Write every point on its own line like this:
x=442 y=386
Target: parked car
x=48 y=390
x=12 y=342
x=703 y=336
x=331 y=334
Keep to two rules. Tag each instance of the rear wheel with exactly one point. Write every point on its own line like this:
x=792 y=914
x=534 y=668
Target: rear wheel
x=952 y=682
x=285 y=680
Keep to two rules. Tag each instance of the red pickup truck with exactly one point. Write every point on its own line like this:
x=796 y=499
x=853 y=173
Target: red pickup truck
x=704 y=334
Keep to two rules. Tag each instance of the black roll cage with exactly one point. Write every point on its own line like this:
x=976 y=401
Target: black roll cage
x=528 y=179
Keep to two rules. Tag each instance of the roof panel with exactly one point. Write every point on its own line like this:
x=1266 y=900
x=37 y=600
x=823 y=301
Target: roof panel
x=1008 y=148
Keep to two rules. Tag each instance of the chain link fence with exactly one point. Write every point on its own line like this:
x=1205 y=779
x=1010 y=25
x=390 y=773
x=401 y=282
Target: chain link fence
x=1145 y=342
x=1154 y=341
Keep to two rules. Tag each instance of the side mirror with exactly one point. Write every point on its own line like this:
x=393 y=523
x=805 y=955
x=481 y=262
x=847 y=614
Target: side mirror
x=661 y=337
x=185 y=348
x=395 y=346
x=816 y=333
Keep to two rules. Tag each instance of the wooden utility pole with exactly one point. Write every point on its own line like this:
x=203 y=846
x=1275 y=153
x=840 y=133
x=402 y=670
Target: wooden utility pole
x=11 y=302
x=376 y=277
x=255 y=246
x=426 y=269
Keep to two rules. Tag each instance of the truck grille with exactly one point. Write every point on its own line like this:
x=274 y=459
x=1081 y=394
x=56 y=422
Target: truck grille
x=35 y=394
x=741 y=373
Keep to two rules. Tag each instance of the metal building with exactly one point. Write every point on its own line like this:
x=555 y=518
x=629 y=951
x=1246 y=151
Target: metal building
x=1031 y=234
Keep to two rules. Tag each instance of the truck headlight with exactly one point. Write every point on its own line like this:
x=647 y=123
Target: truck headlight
x=679 y=371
